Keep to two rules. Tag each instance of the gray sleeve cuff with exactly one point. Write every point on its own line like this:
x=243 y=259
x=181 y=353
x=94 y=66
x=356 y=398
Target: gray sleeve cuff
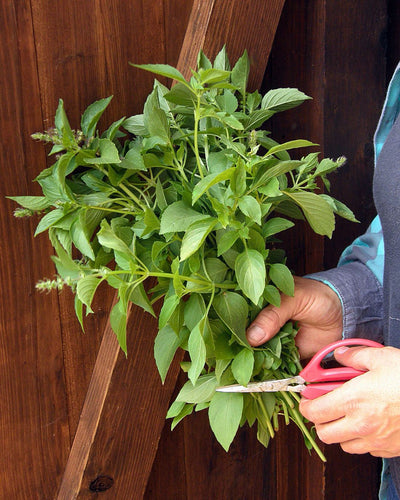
x=361 y=295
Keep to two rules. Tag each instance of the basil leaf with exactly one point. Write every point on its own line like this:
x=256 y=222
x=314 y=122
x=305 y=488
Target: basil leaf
x=282 y=277
x=233 y=310
x=225 y=414
x=242 y=366
x=251 y=274
x=316 y=210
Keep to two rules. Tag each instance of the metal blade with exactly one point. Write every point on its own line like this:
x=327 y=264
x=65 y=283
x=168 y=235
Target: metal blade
x=267 y=386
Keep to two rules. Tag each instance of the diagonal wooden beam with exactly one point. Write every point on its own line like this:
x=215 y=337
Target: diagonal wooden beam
x=120 y=426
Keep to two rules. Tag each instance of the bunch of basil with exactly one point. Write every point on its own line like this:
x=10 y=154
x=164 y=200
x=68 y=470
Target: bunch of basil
x=192 y=193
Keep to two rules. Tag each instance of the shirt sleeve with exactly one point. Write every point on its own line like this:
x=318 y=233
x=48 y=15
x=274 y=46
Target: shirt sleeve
x=358 y=282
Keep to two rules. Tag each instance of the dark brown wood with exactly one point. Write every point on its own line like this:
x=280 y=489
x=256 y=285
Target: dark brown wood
x=90 y=416
x=33 y=409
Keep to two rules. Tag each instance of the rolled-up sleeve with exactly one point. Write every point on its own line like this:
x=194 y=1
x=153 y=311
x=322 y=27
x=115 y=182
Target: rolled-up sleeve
x=358 y=282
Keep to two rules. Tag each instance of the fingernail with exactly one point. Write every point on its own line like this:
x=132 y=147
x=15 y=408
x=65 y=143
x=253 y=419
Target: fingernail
x=255 y=334
x=341 y=350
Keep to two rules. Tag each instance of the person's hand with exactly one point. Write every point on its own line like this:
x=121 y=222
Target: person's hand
x=363 y=415
x=316 y=308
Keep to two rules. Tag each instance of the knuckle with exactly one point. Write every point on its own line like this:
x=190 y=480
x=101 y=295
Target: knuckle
x=270 y=316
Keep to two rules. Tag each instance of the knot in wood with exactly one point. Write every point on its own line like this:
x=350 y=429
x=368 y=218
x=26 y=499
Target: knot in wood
x=101 y=483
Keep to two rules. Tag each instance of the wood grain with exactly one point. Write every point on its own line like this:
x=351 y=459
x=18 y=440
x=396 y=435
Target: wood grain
x=33 y=408
x=237 y=24
x=79 y=51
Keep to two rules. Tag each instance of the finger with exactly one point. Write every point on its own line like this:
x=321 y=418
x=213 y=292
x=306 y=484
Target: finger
x=324 y=409
x=269 y=321
x=359 y=447
x=338 y=431
x=355 y=446
x=360 y=358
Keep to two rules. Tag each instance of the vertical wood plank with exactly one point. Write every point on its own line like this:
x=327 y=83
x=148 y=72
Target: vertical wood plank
x=356 y=76
x=33 y=411
x=153 y=13
x=215 y=23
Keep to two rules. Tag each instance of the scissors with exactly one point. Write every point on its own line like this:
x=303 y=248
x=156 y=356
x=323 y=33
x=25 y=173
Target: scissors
x=313 y=381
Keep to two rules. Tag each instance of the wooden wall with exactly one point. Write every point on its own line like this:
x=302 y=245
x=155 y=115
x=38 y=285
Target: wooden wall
x=339 y=51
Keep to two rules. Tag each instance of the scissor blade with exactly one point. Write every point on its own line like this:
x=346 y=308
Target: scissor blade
x=267 y=386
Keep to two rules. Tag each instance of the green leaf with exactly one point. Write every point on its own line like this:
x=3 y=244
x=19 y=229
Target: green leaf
x=280 y=168
x=257 y=118
x=339 y=208
x=133 y=158
x=210 y=180
x=178 y=217
x=300 y=143
x=86 y=288
x=78 y=306
x=225 y=414
x=282 y=277
x=187 y=410
x=242 y=366
x=167 y=309
x=212 y=75
x=227 y=102
x=316 y=210
x=113 y=129
x=276 y=225
x=221 y=60
x=155 y=119
x=163 y=70
x=272 y=295
x=195 y=236
x=80 y=237
x=233 y=310
x=216 y=269
x=175 y=409
x=200 y=392
x=203 y=62
x=92 y=115
x=34 y=203
x=48 y=220
x=64 y=128
x=138 y=296
x=108 y=238
x=250 y=207
x=108 y=154
x=194 y=311
x=225 y=239
x=282 y=99
x=165 y=345
x=182 y=95
x=197 y=351
x=251 y=274
x=135 y=125
x=240 y=73
x=118 y=324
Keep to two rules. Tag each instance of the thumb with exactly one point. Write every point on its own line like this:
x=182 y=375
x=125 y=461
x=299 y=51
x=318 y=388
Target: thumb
x=360 y=358
x=269 y=321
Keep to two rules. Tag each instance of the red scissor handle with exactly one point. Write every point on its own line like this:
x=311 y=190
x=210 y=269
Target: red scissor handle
x=314 y=372
x=313 y=391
